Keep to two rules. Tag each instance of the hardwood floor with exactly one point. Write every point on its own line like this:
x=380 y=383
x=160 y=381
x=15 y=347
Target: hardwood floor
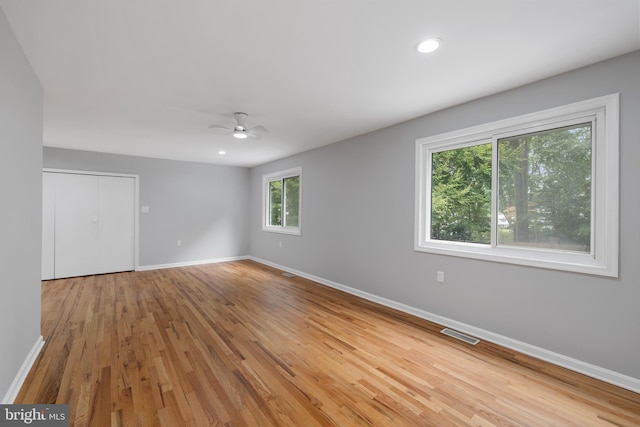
x=239 y=344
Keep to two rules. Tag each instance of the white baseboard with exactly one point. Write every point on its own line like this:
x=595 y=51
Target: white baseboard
x=190 y=263
x=579 y=366
x=16 y=385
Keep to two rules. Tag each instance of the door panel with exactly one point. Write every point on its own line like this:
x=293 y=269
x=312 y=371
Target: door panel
x=76 y=225
x=116 y=199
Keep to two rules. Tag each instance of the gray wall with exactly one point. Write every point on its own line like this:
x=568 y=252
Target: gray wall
x=205 y=206
x=358 y=230
x=20 y=206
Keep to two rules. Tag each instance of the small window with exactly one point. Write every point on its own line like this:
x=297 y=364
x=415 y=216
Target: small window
x=539 y=190
x=282 y=201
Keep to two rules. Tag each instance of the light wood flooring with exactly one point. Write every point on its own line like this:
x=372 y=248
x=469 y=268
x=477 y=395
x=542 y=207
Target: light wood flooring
x=238 y=344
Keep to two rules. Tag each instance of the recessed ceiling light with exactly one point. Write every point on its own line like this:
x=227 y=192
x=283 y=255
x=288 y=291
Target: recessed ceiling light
x=428 y=45
x=222 y=152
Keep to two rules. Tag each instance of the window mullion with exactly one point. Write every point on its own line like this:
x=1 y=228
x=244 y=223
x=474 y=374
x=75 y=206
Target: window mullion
x=283 y=211
x=269 y=204
x=494 y=192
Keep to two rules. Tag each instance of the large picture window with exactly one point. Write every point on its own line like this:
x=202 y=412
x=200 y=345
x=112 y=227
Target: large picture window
x=282 y=201
x=539 y=189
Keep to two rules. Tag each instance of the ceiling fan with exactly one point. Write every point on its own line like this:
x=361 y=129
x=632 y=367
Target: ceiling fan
x=240 y=130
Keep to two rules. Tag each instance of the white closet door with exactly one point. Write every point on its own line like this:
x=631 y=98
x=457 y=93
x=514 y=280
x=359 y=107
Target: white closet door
x=116 y=208
x=76 y=225
x=48 y=225
x=88 y=224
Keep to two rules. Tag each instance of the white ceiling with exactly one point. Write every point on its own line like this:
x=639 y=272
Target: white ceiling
x=147 y=77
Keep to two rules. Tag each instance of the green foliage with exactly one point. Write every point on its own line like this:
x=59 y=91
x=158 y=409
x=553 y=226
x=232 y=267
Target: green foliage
x=545 y=187
x=275 y=202
x=292 y=201
x=461 y=194
x=291 y=196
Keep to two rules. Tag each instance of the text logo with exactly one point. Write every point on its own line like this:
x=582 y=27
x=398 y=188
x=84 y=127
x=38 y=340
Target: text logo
x=34 y=415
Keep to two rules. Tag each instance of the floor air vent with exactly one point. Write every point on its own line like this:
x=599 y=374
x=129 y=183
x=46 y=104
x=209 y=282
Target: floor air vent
x=288 y=275
x=460 y=336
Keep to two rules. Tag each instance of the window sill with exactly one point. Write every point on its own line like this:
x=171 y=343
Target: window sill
x=283 y=230
x=554 y=260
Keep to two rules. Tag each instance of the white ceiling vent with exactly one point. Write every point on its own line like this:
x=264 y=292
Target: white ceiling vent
x=460 y=336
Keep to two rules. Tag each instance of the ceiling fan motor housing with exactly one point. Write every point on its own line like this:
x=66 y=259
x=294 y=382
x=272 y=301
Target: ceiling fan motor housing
x=241 y=118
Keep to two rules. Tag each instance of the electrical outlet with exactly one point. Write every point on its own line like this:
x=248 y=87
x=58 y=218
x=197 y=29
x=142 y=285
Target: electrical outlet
x=179 y=243
x=440 y=276
x=280 y=243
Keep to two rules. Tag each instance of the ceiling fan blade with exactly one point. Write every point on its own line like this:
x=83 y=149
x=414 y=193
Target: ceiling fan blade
x=259 y=129
x=257 y=132
x=219 y=127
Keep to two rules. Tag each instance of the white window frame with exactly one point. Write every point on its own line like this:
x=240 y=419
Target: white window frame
x=602 y=260
x=266 y=208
